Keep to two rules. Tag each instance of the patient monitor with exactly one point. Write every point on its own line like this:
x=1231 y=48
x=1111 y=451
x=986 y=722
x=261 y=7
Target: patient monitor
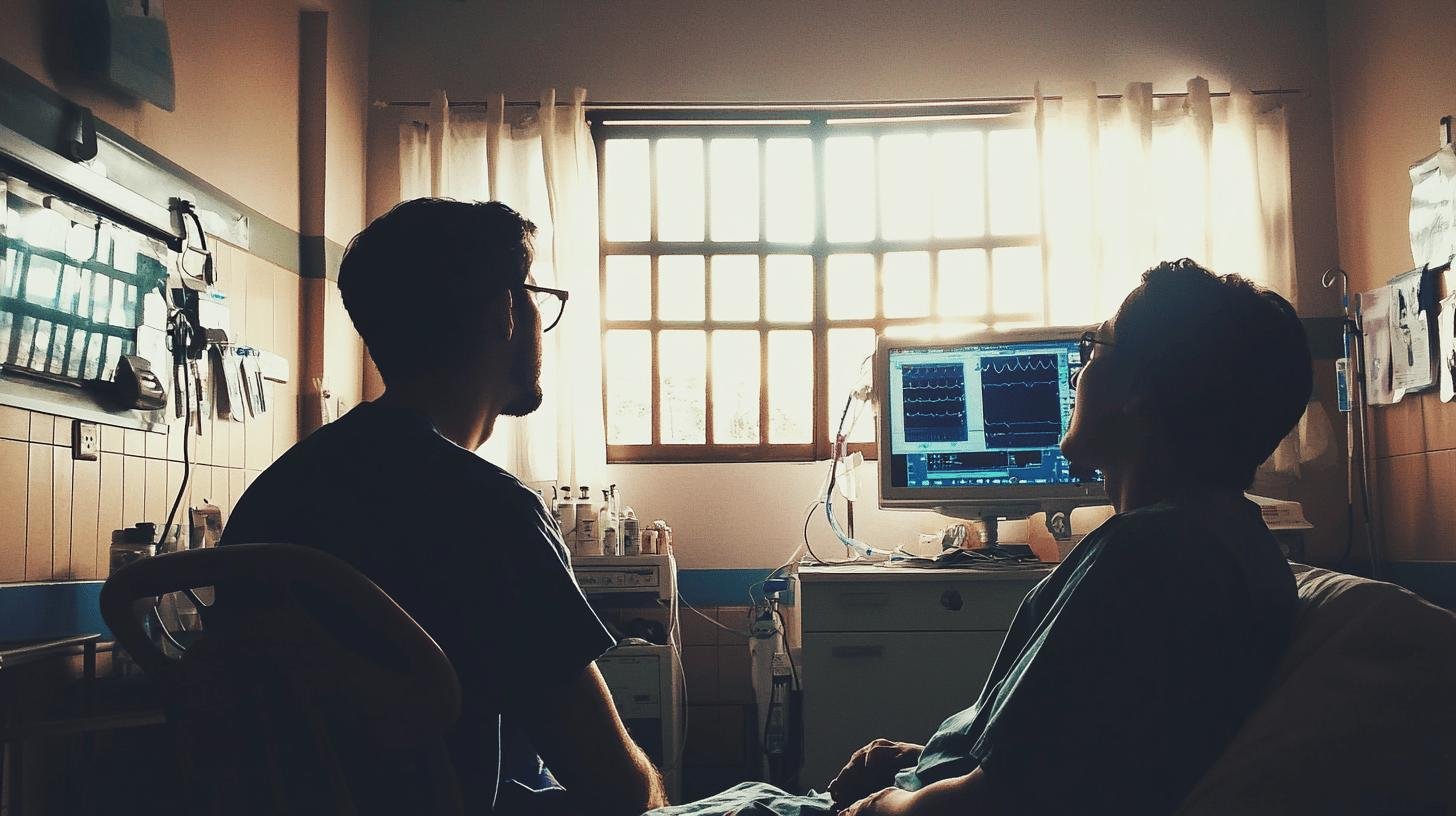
x=970 y=426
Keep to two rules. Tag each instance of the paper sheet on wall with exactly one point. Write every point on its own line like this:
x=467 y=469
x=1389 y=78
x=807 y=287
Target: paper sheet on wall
x=1375 y=326
x=1433 y=209
x=1446 y=351
x=1410 y=335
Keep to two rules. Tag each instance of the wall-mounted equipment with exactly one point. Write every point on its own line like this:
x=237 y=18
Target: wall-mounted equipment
x=125 y=44
x=79 y=292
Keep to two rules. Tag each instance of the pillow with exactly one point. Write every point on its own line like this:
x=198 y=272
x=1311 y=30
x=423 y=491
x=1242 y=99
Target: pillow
x=1361 y=717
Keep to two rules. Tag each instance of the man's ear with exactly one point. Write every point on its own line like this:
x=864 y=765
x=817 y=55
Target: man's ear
x=501 y=315
x=1139 y=404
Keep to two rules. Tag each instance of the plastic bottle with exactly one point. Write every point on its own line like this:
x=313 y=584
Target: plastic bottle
x=607 y=525
x=631 y=541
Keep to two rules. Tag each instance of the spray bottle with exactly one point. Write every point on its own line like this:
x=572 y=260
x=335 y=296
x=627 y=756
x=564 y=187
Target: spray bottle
x=607 y=524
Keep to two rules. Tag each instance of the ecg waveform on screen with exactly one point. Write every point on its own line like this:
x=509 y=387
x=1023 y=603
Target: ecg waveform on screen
x=1022 y=401
x=935 y=402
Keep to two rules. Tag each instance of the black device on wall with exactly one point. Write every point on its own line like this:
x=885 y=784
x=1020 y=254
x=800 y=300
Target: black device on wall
x=125 y=44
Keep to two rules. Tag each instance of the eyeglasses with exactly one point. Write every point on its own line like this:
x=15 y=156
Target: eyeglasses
x=1087 y=341
x=548 y=302
x=1084 y=349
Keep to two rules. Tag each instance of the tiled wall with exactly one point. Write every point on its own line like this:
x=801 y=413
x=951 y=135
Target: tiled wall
x=1415 y=449
x=719 y=750
x=56 y=515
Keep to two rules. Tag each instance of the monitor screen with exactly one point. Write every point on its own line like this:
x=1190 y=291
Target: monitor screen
x=966 y=417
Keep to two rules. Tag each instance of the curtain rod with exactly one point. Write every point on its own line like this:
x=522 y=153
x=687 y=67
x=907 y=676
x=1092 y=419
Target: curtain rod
x=771 y=106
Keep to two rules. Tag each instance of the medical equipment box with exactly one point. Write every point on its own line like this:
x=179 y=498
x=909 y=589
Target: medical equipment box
x=652 y=575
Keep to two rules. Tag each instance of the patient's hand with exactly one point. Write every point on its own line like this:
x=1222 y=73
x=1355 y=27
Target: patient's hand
x=872 y=768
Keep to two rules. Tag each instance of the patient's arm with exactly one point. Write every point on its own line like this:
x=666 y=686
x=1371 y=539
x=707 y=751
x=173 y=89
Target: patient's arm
x=969 y=795
x=871 y=768
x=576 y=729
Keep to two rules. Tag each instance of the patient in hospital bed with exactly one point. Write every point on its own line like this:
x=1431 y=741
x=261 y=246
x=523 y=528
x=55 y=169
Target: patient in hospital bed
x=1128 y=670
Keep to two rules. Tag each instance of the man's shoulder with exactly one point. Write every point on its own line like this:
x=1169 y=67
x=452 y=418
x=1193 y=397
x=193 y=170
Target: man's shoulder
x=1198 y=546
x=1189 y=520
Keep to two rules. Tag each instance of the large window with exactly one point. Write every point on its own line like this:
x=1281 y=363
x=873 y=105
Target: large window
x=749 y=260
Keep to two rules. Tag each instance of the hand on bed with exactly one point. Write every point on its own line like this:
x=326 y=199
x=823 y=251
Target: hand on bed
x=886 y=802
x=872 y=768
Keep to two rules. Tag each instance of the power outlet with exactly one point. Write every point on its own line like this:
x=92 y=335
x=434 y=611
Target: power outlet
x=85 y=440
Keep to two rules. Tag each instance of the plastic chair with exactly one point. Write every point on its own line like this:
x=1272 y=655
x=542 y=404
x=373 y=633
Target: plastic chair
x=309 y=690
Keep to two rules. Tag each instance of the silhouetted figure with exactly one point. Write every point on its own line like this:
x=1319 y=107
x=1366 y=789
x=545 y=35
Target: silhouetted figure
x=1128 y=670
x=441 y=293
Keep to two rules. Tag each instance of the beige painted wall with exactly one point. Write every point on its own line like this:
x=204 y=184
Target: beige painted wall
x=236 y=122
x=750 y=515
x=1391 y=82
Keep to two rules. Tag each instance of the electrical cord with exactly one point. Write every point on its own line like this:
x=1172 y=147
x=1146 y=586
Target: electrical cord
x=850 y=543
x=674 y=638
x=181 y=339
x=817 y=560
x=716 y=623
x=788 y=650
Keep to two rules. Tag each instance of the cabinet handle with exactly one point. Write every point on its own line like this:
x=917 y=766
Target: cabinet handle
x=857 y=651
x=951 y=599
x=864 y=600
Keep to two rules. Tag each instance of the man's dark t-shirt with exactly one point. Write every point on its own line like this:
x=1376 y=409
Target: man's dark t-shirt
x=1127 y=671
x=461 y=545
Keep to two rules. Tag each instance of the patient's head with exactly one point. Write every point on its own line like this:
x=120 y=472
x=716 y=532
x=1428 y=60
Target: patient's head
x=434 y=288
x=1206 y=373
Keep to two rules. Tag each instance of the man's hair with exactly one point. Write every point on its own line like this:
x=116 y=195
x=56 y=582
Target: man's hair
x=1227 y=364
x=416 y=280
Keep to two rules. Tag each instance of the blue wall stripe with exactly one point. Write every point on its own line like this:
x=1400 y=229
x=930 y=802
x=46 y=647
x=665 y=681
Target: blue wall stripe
x=718 y=587
x=41 y=611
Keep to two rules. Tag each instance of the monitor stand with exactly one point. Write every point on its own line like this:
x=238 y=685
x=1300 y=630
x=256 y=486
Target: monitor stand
x=1058 y=517
x=990 y=531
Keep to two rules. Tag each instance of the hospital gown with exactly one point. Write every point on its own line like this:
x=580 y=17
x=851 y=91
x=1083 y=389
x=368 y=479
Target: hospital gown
x=1124 y=674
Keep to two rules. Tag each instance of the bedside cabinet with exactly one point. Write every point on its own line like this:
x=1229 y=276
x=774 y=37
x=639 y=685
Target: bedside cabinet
x=891 y=652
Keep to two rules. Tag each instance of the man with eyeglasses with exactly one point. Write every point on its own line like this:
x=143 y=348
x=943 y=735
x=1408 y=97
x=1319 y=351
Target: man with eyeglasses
x=441 y=293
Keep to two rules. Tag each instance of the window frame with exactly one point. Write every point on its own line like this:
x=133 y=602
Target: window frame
x=816 y=123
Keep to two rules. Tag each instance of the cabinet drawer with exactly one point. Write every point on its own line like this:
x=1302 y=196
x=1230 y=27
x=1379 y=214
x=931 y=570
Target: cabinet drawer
x=897 y=685
x=948 y=605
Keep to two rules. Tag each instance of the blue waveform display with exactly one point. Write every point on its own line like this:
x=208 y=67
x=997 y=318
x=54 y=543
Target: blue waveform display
x=935 y=402
x=1021 y=398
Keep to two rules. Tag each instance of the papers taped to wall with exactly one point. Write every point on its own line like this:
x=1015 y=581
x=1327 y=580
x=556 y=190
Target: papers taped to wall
x=1411 y=306
x=1446 y=347
x=1433 y=209
x=1374 y=310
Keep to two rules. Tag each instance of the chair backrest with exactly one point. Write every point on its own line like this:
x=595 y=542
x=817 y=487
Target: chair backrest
x=309 y=690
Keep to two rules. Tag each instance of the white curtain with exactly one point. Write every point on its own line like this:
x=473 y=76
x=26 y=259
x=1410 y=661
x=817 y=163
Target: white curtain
x=1131 y=181
x=539 y=159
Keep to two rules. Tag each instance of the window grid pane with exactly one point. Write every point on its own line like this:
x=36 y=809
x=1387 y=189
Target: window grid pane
x=629 y=387
x=939 y=236
x=790 y=393
x=680 y=190
x=682 y=379
x=735 y=387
